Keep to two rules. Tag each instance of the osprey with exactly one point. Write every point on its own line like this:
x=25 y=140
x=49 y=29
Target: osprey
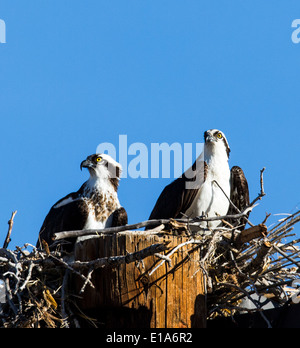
x=203 y=188
x=94 y=206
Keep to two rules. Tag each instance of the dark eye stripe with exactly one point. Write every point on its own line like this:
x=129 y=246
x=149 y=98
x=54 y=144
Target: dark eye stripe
x=94 y=158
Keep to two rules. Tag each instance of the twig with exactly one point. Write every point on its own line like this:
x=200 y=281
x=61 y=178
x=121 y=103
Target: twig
x=286 y=255
x=148 y=223
x=256 y=303
x=229 y=200
x=192 y=241
x=291 y=217
x=255 y=264
x=262 y=191
x=115 y=261
x=63 y=299
x=266 y=218
x=88 y=278
x=80 y=233
x=69 y=267
x=249 y=234
x=10 y=297
x=232 y=204
x=31 y=266
x=164 y=257
x=10 y=223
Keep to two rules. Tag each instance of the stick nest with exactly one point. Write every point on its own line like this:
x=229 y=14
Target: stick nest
x=238 y=264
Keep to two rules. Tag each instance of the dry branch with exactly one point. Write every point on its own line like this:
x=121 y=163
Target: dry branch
x=10 y=224
x=192 y=241
x=251 y=233
x=258 y=261
x=116 y=261
x=262 y=191
x=148 y=223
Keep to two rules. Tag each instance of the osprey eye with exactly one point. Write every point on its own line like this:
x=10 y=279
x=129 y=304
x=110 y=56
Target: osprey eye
x=219 y=135
x=99 y=159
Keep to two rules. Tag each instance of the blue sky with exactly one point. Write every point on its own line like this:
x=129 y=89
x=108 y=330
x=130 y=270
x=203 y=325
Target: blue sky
x=76 y=73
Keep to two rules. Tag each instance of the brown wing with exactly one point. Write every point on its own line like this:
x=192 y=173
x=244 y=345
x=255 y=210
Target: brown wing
x=173 y=201
x=68 y=217
x=177 y=197
x=239 y=194
x=120 y=217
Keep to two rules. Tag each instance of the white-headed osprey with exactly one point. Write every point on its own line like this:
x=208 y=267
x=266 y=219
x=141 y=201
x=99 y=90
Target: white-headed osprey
x=94 y=206
x=196 y=192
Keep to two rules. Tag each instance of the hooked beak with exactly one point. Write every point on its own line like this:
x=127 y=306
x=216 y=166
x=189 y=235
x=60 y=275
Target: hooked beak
x=86 y=164
x=208 y=138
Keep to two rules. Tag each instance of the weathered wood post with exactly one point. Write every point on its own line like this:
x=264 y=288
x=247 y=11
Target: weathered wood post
x=141 y=294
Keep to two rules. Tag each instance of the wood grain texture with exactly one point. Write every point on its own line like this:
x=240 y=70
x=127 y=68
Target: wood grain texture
x=172 y=297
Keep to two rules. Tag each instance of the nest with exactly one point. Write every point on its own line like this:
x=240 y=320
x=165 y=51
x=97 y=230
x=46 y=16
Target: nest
x=36 y=286
x=252 y=262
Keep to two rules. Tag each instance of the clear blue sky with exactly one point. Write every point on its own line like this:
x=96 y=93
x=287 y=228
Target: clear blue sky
x=76 y=73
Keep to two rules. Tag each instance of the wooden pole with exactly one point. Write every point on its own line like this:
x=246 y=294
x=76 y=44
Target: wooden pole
x=156 y=292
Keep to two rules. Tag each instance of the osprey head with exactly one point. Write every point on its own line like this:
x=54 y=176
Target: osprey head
x=102 y=165
x=214 y=138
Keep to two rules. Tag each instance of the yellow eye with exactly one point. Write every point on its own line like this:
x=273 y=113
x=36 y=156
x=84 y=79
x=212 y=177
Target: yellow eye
x=219 y=135
x=99 y=159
